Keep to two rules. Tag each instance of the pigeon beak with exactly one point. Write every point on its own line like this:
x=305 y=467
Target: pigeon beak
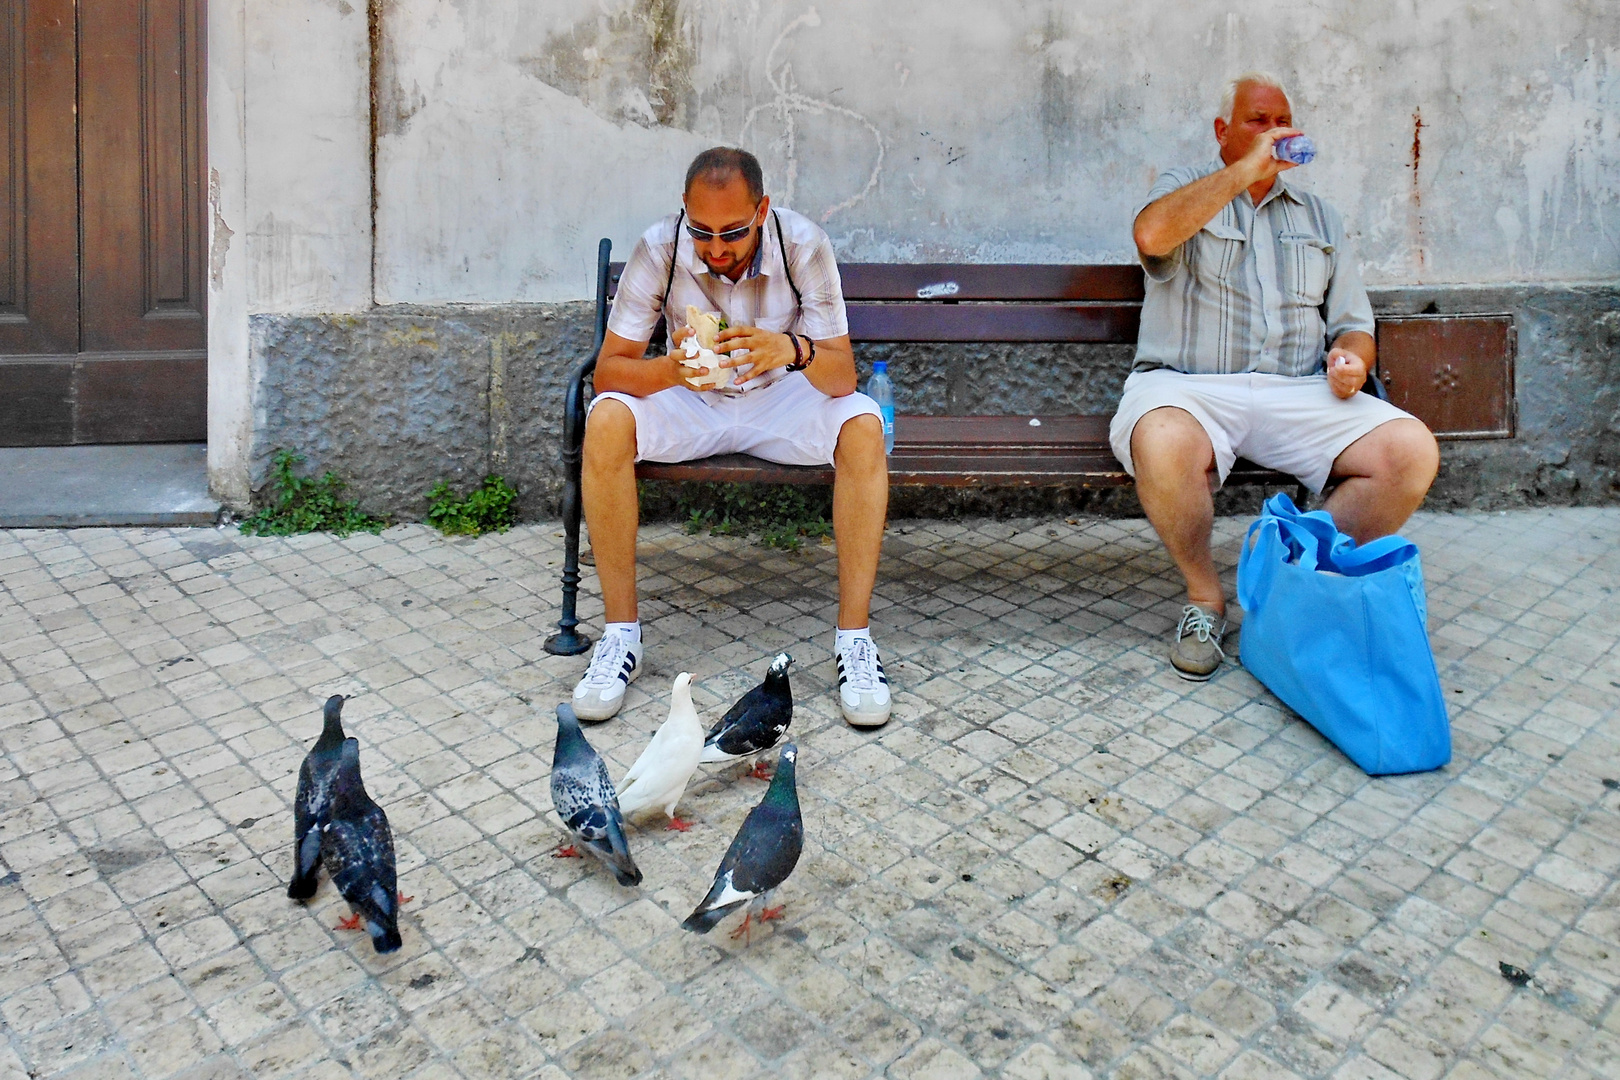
x=782 y=662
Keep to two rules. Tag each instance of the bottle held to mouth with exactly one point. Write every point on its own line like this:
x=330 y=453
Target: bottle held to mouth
x=1296 y=148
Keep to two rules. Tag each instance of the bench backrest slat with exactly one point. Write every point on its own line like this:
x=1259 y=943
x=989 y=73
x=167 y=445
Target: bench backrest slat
x=989 y=281
x=1094 y=323
x=1005 y=302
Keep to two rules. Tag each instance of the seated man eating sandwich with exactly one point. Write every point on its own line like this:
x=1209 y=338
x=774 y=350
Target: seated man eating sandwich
x=760 y=363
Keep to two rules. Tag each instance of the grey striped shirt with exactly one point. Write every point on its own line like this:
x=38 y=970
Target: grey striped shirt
x=1266 y=289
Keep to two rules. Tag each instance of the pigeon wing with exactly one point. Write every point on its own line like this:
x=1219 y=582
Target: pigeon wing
x=661 y=774
x=762 y=855
x=583 y=796
x=658 y=748
x=306 y=835
x=359 y=854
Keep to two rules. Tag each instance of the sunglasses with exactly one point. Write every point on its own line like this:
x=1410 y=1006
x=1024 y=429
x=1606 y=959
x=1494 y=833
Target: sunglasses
x=730 y=236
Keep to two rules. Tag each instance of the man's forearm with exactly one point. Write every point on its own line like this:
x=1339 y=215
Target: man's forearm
x=636 y=376
x=1170 y=221
x=1359 y=342
x=833 y=370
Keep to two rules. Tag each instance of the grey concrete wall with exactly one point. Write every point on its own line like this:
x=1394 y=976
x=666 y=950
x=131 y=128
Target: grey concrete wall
x=396 y=399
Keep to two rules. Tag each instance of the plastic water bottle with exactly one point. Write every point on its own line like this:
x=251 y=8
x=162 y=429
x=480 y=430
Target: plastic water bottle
x=881 y=390
x=1296 y=148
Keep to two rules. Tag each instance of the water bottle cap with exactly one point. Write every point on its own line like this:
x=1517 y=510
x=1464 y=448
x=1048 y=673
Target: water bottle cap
x=880 y=365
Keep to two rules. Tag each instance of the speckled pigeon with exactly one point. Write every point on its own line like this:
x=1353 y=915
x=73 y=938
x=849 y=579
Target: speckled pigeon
x=358 y=849
x=756 y=722
x=582 y=793
x=658 y=778
x=761 y=857
x=313 y=800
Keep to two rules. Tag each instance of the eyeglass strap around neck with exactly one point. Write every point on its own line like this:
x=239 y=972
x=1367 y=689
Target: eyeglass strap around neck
x=674 y=252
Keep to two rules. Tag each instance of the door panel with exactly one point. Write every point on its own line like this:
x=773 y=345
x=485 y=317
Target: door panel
x=102 y=336
x=39 y=228
x=1453 y=372
x=140 y=140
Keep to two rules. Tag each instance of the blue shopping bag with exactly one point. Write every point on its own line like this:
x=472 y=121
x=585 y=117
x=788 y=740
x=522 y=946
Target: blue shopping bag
x=1340 y=633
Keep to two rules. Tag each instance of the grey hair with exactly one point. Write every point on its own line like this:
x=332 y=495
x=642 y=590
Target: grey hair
x=1258 y=78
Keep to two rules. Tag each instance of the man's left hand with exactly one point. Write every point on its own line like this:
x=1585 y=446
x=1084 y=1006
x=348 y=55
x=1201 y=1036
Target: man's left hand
x=1346 y=372
x=767 y=349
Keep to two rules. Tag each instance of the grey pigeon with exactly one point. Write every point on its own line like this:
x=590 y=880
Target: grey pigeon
x=764 y=853
x=313 y=800
x=359 y=852
x=757 y=721
x=582 y=793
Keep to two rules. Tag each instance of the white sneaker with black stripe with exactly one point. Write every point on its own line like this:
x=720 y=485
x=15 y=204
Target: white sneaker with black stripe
x=863 y=689
x=614 y=666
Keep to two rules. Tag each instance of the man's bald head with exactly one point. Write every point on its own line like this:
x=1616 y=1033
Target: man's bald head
x=720 y=165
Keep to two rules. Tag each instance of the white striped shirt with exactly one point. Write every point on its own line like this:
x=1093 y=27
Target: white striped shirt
x=762 y=297
x=1265 y=289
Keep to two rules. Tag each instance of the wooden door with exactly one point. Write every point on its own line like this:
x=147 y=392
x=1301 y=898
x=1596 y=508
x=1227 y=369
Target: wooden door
x=102 y=334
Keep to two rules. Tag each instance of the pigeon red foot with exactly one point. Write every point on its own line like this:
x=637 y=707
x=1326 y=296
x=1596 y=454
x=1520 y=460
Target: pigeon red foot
x=761 y=770
x=677 y=824
x=742 y=931
x=405 y=899
x=767 y=914
x=348 y=922
x=567 y=852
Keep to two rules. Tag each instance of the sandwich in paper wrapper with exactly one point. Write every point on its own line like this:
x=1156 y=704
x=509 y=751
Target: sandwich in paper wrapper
x=699 y=355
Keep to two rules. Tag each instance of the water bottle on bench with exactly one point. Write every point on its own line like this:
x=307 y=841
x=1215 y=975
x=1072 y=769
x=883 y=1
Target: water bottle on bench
x=881 y=390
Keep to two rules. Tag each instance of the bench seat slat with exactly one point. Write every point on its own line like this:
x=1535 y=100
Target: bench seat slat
x=1109 y=323
x=962 y=451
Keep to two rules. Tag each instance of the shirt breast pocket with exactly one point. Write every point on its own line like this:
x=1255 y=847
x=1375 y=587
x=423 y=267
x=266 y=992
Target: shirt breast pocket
x=1218 y=251
x=1307 y=267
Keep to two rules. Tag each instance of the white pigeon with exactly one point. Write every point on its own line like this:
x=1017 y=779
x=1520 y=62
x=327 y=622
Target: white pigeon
x=658 y=778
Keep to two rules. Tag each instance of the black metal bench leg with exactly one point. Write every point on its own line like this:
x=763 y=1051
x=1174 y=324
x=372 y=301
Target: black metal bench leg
x=568 y=641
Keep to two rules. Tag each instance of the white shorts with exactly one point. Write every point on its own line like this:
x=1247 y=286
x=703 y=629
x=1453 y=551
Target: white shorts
x=1290 y=423
x=789 y=422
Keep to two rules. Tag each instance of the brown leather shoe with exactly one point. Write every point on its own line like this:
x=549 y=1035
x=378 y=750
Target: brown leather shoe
x=1196 y=652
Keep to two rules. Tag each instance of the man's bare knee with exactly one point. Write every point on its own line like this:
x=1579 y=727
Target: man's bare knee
x=610 y=430
x=1401 y=456
x=1170 y=439
x=860 y=439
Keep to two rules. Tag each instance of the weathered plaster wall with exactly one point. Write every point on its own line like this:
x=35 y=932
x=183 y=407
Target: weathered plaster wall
x=1465 y=141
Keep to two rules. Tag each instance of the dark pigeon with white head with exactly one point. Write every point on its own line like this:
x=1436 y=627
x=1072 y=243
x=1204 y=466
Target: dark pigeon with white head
x=314 y=800
x=757 y=721
x=358 y=848
x=764 y=853
x=583 y=796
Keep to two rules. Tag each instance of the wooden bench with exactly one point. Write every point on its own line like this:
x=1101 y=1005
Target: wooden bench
x=1454 y=372
x=923 y=302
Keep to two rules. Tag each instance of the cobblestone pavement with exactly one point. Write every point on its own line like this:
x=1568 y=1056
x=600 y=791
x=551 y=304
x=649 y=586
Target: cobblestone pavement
x=1057 y=861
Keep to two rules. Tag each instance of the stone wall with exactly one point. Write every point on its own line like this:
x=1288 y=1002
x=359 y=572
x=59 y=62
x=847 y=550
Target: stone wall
x=397 y=398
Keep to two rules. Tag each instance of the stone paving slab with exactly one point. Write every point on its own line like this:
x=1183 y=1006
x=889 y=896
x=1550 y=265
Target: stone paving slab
x=1057 y=861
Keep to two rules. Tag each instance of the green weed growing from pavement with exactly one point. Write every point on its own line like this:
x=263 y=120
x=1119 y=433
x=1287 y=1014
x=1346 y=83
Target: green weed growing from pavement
x=489 y=507
x=783 y=515
x=303 y=504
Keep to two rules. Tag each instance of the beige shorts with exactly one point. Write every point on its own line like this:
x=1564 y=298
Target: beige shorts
x=1293 y=424
x=789 y=422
